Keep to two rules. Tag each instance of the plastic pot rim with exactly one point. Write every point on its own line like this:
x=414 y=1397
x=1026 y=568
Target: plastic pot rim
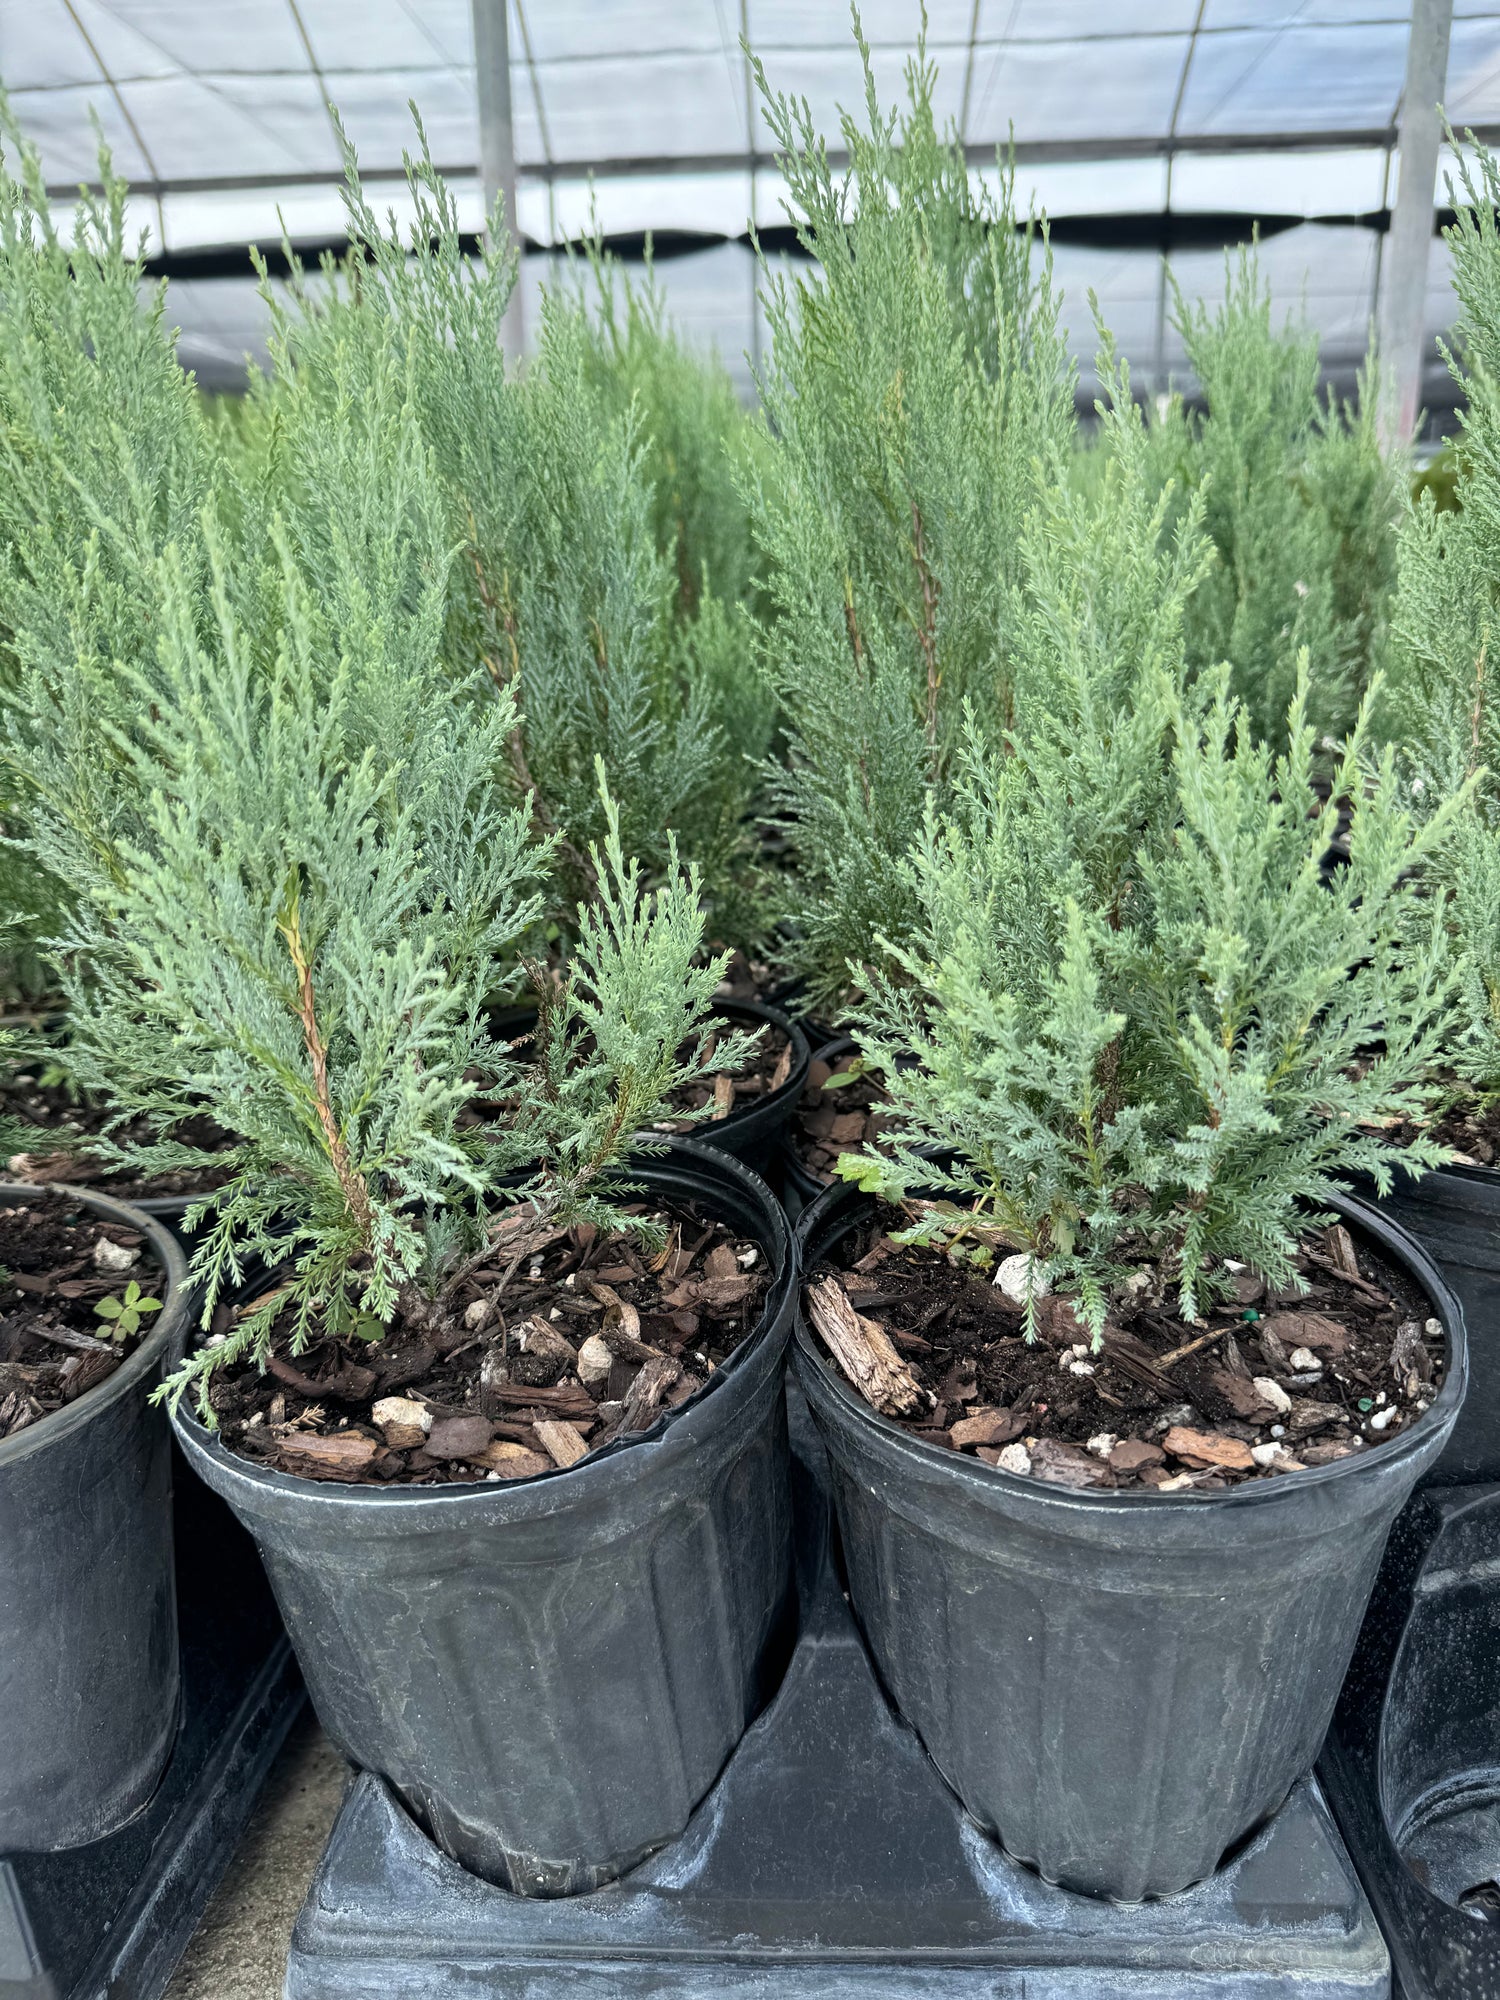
x=559 y=1486
x=981 y=1477
x=171 y=1321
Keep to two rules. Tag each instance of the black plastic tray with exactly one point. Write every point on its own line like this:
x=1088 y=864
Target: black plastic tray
x=1412 y=1763
x=109 y=1921
x=830 y=1861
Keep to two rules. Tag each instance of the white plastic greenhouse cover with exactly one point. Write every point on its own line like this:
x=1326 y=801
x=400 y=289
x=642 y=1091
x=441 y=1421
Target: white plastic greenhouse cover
x=1121 y=111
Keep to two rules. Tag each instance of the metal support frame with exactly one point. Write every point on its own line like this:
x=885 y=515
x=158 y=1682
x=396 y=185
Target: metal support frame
x=497 y=145
x=1402 y=326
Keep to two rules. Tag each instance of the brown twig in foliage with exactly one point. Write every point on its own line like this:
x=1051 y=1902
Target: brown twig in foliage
x=502 y=614
x=351 y=1181
x=927 y=630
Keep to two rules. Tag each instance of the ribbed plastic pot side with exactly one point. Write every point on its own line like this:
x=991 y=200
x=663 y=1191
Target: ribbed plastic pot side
x=552 y=1672
x=1118 y=1686
x=1454 y=1214
x=88 y=1615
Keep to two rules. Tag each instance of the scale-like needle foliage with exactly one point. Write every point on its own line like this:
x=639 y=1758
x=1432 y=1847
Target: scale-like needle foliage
x=1301 y=504
x=1183 y=1075
x=104 y=461
x=916 y=387
x=1440 y=705
x=562 y=593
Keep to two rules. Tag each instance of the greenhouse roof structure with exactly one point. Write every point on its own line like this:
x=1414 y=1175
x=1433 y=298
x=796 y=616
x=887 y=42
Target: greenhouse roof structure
x=1142 y=126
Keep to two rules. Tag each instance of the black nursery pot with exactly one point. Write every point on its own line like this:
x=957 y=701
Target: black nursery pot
x=1118 y=1686
x=752 y=1131
x=1410 y=1764
x=1455 y=1216
x=552 y=1672
x=88 y=1616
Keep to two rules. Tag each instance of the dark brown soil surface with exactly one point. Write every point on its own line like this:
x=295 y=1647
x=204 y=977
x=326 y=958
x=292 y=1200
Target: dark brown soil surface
x=1268 y=1385
x=842 y=1118
x=63 y=1128
x=53 y=1345
x=590 y=1340
x=768 y=1069
x=749 y=980
x=1465 y=1123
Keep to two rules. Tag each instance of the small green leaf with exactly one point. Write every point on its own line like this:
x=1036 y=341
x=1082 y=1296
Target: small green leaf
x=109 y=1308
x=865 y=1173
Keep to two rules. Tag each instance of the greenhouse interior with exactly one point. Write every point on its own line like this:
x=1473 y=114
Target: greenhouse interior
x=750 y=1037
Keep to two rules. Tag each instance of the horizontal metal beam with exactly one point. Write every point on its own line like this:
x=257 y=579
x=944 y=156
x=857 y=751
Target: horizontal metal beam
x=1029 y=152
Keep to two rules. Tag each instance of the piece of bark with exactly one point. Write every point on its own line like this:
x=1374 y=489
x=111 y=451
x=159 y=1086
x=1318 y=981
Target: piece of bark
x=568 y=1399
x=645 y=1393
x=79 y=1343
x=995 y=1427
x=345 y=1385
x=621 y=1329
x=863 y=1351
x=1135 y=1359
x=342 y=1456
x=1306 y=1329
x=543 y=1356
x=459 y=1437
x=720 y=1262
x=88 y=1371
x=1067 y=1465
x=404 y=1423
x=1243 y=1397
x=1209 y=1448
x=783 y=1068
x=723 y=1098
x=512 y=1461
x=563 y=1444
x=1134 y=1455
x=1340 y=1247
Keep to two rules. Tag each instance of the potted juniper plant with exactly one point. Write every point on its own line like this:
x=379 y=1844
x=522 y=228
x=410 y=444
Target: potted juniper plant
x=1122 y=1392
x=92 y=1293
x=505 y=1417
x=563 y=590
x=1440 y=712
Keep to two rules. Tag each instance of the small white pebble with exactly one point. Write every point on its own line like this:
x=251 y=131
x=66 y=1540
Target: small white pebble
x=1071 y=1354
x=1434 y=1327
x=1380 y=1395
x=1383 y=1417
x=1102 y=1444
x=1423 y=1404
x=556 y=1313
x=110 y=1256
x=1080 y=1367
x=570 y=1281
x=536 y=1269
x=1021 y=1275
x=1015 y=1458
x=1304 y=1360
x=745 y=1258
x=1279 y=1430
x=1271 y=1391
x=476 y=1313
x=492 y=1477
x=1233 y=1264
x=1267 y=1454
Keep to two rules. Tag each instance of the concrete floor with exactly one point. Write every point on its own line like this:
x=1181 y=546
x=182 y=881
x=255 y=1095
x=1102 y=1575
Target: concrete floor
x=239 y=1950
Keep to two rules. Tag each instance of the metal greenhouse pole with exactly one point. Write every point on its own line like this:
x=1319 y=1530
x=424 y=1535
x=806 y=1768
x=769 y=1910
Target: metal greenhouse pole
x=497 y=141
x=1403 y=290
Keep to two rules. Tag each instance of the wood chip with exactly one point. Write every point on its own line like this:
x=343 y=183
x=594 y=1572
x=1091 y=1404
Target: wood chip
x=1340 y=1247
x=1306 y=1329
x=512 y=1461
x=723 y=1098
x=1248 y=1402
x=1134 y=1455
x=459 y=1437
x=644 y=1395
x=343 y=1456
x=863 y=1351
x=1209 y=1448
x=994 y=1427
x=783 y=1067
x=720 y=1262
x=563 y=1444
x=544 y=1356
x=1067 y=1465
